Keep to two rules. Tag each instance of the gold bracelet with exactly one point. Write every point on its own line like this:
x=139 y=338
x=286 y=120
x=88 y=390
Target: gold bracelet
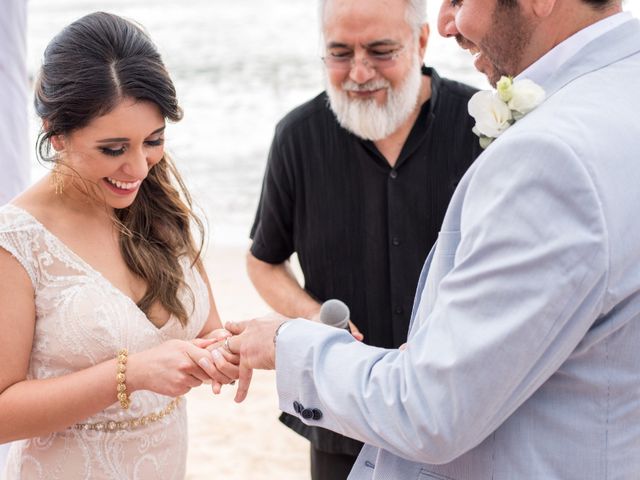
x=121 y=378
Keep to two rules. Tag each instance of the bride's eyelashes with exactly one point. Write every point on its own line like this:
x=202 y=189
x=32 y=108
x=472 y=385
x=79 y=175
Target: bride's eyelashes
x=112 y=152
x=115 y=152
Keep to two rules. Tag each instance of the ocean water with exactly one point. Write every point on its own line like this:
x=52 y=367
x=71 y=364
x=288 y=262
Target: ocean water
x=238 y=66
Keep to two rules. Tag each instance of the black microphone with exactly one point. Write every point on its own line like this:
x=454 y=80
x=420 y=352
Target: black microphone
x=335 y=314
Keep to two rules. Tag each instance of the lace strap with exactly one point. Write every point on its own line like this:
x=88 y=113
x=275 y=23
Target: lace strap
x=11 y=242
x=18 y=238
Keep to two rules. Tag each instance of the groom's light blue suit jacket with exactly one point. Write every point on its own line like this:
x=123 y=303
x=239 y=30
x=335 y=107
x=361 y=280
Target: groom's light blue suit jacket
x=523 y=360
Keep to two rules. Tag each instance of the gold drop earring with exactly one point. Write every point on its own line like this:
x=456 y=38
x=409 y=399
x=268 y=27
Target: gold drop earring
x=57 y=179
x=57 y=176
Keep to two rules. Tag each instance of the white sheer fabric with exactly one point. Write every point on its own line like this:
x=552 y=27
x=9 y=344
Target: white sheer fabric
x=82 y=320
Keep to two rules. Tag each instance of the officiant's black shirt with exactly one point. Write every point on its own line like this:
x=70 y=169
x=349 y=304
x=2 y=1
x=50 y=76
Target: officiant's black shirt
x=362 y=229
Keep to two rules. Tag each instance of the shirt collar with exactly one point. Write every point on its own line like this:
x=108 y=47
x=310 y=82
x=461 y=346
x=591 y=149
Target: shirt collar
x=550 y=62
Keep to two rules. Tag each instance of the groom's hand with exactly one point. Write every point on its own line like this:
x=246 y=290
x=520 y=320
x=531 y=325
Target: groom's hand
x=253 y=341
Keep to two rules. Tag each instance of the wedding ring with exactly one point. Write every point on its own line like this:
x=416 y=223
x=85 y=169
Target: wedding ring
x=227 y=347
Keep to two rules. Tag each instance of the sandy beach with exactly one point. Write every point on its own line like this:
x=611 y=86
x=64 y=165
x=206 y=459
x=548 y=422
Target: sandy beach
x=240 y=441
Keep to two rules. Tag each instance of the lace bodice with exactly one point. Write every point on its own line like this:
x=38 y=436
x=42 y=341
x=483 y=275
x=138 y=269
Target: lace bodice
x=82 y=320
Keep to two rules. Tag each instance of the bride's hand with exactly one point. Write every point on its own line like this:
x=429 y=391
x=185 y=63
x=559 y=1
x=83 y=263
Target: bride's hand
x=228 y=372
x=225 y=367
x=213 y=337
x=172 y=368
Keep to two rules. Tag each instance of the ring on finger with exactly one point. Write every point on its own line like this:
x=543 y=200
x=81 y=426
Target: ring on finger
x=226 y=346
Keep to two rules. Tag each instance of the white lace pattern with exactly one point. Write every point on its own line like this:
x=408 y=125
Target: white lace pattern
x=82 y=320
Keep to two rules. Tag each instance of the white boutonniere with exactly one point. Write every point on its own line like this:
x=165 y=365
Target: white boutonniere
x=495 y=111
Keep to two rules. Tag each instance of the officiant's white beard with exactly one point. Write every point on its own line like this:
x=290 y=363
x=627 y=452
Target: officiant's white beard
x=366 y=118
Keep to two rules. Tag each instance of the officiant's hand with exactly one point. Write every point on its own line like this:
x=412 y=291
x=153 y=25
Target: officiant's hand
x=253 y=341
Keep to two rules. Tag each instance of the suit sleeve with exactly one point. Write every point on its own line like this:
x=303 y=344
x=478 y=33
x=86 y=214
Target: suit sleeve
x=527 y=282
x=272 y=230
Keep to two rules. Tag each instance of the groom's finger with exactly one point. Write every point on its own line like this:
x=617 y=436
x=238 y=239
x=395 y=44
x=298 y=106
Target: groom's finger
x=218 y=334
x=232 y=358
x=243 y=384
x=232 y=365
x=236 y=328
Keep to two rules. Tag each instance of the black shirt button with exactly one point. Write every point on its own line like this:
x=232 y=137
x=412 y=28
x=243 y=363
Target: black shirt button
x=393 y=174
x=297 y=407
x=395 y=241
x=317 y=414
x=307 y=414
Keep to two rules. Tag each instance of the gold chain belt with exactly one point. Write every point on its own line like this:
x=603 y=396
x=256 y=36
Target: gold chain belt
x=113 y=426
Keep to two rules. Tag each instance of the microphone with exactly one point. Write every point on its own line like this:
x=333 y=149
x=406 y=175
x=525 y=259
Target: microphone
x=335 y=314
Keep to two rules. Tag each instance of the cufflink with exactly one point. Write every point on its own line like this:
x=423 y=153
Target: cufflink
x=307 y=413
x=311 y=414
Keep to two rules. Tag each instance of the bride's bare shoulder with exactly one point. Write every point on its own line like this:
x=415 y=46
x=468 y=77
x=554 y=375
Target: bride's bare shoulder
x=38 y=202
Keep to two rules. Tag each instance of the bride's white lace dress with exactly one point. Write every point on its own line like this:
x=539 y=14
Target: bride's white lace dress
x=82 y=320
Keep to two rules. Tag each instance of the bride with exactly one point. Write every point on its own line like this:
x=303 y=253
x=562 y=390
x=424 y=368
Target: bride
x=102 y=291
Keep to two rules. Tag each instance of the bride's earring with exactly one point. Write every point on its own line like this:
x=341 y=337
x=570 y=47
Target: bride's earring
x=57 y=179
x=57 y=176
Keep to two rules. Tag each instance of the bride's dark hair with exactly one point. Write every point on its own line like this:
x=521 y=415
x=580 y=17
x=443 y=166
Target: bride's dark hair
x=87 y=69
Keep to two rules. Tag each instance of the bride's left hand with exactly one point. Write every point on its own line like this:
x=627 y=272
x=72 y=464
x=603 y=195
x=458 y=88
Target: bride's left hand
x=228 y=371
x=214 y=336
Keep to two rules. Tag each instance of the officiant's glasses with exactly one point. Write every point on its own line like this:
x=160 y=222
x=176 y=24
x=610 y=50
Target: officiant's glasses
x=375 y=58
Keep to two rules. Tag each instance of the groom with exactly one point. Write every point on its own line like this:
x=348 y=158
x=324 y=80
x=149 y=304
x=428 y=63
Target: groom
x=522 y=360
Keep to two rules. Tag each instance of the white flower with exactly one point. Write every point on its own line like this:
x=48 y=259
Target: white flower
x=496 y=111
x=492 y=115
x=525 y=96
x=504 y=87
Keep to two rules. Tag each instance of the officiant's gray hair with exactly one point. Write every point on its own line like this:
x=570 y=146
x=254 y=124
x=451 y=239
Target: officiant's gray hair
x=416 y=14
